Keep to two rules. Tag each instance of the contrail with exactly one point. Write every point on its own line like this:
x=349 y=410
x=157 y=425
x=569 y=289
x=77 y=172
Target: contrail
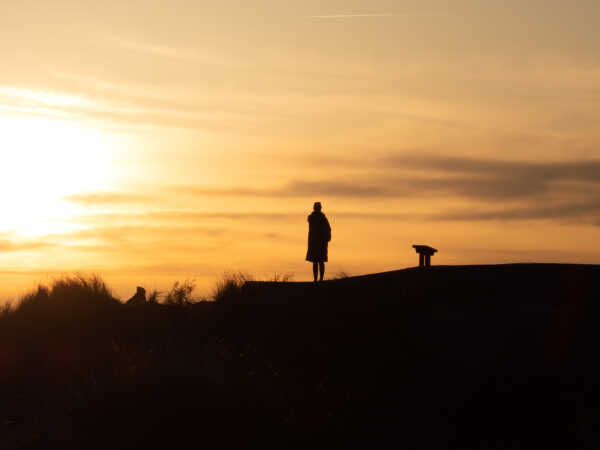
x=352 y=16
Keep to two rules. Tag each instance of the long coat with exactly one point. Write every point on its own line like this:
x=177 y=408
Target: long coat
x=319 y=234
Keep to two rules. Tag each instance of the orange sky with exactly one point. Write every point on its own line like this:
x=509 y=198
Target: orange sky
x=153 y=141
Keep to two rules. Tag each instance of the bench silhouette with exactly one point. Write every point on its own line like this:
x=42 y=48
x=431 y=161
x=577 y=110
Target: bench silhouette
x=425 y=253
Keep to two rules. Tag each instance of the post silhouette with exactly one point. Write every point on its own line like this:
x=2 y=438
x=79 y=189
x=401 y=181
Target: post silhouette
x=425 y=253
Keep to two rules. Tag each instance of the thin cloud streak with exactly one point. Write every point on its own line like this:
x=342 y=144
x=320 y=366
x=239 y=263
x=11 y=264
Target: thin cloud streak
x=354 y=16
x=144 y=241
x=497 y=189
x=154 y=49
x=111 y=103
x=122 y=233
x=294 y=188
x=479 y=187
x=182 y=216
x=41 y=97
x=52 y=104
x=581 y=211
x=588 y=170
x=7 y=246
x=106 y=198
x=132 y=111
x=38 y=112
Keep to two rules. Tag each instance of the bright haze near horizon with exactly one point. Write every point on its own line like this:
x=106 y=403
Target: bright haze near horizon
x=151 y=141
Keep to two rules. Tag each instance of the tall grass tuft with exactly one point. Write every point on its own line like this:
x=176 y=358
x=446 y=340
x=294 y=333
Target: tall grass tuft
x=229 y=286
x=68 y=294
x=282 y=277
x=5 y=309
x=153 y=297
x=180 y=294
x=341 y=275
x=79 y=288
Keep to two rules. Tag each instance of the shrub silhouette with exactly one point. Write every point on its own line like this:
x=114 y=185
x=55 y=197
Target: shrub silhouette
x=75 y=296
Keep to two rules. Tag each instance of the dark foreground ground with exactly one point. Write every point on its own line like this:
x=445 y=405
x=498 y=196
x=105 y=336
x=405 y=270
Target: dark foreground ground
x=481 y=357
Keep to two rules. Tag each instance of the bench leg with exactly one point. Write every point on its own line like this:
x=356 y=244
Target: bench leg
x=427 y=260
x=421 y=260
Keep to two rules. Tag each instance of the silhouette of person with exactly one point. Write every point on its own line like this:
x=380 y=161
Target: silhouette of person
x=319 y=235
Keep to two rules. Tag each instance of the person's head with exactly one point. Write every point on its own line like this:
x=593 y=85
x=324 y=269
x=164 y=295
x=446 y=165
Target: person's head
x=317 y=206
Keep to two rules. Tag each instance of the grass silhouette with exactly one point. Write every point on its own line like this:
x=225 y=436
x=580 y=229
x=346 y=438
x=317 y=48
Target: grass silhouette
x=448 y=358
x=179 y=295
x=229 y=287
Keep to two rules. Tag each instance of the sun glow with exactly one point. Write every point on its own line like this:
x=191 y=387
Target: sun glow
x=42 y=161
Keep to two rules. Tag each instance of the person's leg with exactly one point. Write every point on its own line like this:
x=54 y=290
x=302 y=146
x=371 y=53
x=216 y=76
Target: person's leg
x=315 y=270
x=321 y=270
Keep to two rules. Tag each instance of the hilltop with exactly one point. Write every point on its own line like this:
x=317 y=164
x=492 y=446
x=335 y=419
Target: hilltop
x=456 y=357
x=516 y=284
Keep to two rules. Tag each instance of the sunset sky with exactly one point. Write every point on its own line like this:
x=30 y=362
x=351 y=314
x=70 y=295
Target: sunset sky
x=152 y=141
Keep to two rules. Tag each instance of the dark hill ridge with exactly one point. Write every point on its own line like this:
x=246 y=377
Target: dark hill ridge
x=528 y=283
x=491 y=356
x=449 y=357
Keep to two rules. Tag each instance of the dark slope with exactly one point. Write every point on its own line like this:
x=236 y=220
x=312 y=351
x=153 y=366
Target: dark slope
x=544 y=285
x=475 y=357
x=499 y=356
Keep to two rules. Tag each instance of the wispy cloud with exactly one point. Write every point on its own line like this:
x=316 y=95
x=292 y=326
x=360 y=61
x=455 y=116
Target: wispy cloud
x=143 y=240
x=41 y=102
x=106 y=198
x=125 y=110
x=8 y=246
x=36 y=111
x=580 y=211
x=496 y=189
x=496 y=183
x=121 y=234
x=506 y=178
x=200 y=219
x=294 y=188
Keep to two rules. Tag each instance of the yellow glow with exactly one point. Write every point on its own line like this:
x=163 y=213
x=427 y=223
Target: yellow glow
x=44 y=160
